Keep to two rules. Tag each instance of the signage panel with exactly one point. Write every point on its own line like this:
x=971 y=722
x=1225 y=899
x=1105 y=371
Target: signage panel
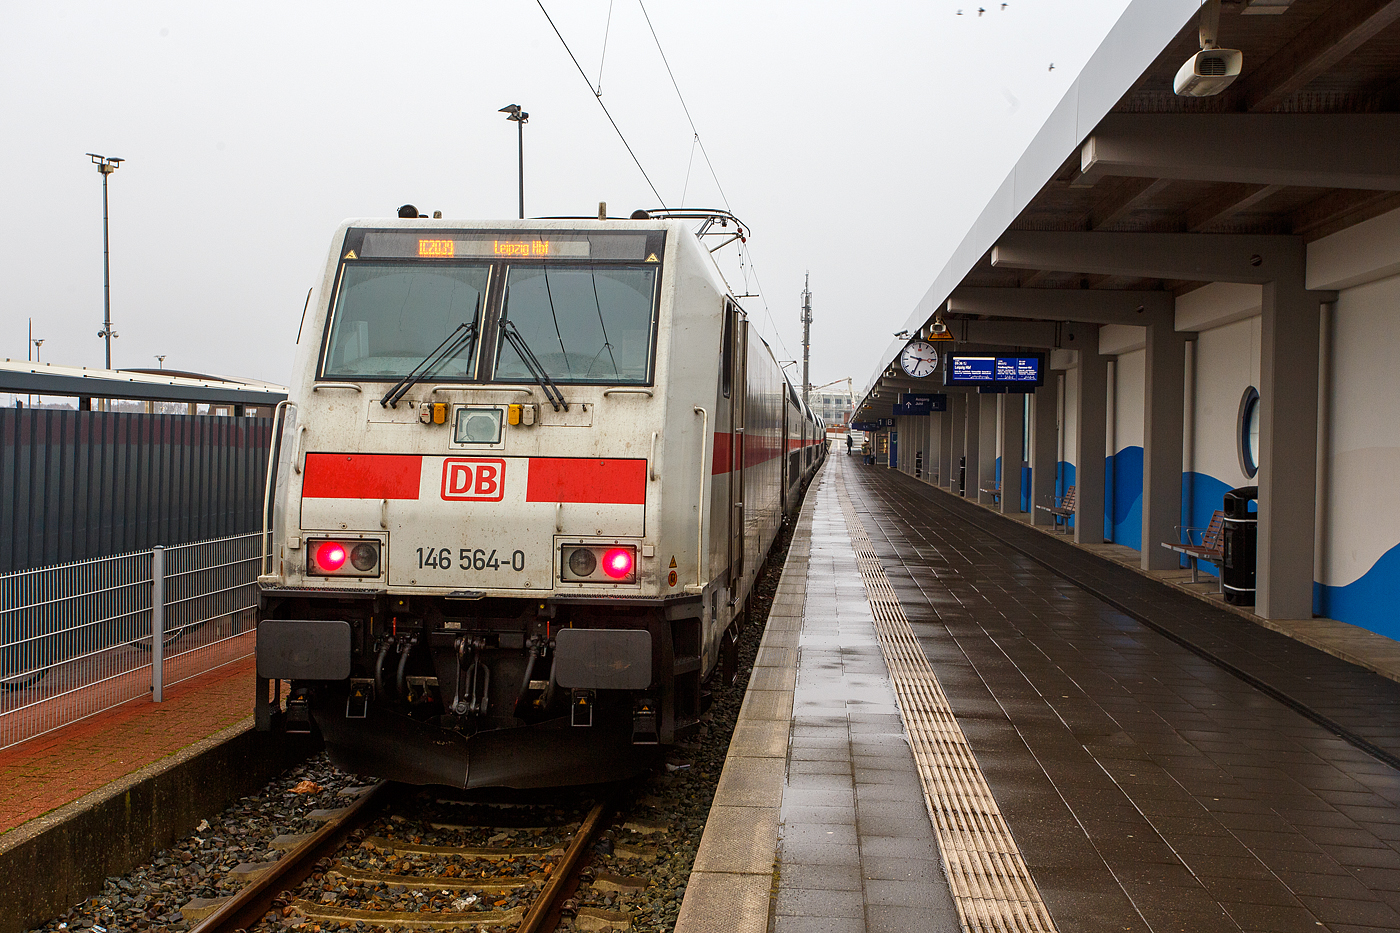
x=920 y=403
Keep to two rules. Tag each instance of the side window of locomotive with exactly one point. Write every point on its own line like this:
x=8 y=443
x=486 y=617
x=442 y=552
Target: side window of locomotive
x=585 y=324
x=390 y=317
x=726 y=350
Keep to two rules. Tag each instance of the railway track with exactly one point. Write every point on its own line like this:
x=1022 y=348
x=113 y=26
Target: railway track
x=395 y=859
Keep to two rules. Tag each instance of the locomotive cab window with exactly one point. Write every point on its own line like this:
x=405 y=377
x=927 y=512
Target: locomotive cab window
x=391 y=317
x=583 y=323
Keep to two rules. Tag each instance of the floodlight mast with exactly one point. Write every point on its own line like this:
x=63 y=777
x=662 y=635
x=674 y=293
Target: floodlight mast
x=106 y=166
x=520 y=118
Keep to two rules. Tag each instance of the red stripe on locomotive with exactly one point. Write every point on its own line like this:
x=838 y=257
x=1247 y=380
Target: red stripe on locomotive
x=568 y=479
x=361 y=476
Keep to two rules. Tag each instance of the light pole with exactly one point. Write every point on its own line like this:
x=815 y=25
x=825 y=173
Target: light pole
x=106 y=166
x=520 y=118
x=38 y=342
x=160 y=358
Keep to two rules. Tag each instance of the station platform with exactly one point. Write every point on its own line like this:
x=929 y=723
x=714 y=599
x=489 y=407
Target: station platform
x=52 y=770
x=957 y=721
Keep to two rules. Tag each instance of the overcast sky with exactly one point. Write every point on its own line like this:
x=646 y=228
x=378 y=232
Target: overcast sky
x=858 y=141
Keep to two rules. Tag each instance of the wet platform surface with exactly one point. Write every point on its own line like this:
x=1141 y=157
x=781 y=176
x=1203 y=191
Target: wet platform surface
x=1180 y=770
x=1161 y=764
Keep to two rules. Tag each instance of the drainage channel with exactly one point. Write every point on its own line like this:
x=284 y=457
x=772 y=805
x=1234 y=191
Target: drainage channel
x=991 y=885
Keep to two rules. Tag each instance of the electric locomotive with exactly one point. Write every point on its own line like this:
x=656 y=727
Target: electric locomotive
x=521 y=488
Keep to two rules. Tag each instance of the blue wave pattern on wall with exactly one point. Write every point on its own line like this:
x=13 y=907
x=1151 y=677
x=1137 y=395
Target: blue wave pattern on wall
x=1123 y=522
x=1369 y=601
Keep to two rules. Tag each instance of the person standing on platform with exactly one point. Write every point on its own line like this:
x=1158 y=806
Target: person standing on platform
x=848 y=445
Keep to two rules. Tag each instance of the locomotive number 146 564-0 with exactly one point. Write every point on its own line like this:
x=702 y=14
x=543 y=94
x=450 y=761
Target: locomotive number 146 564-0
x=442 y=558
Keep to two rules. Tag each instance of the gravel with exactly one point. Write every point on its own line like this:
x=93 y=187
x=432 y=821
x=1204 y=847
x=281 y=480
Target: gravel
x=198 y=866
x=636 y=874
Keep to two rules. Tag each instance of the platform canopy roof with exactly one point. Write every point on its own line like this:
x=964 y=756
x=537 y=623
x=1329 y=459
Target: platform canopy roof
x=23 y=377
x=1131 y=195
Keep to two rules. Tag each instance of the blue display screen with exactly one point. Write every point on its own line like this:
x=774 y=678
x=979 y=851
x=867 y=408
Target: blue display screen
x=1018 y=369
x=972 y=368
x=977 y=370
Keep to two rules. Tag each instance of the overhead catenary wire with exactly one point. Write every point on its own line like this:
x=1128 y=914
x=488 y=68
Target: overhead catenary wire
x=598 y=97
x=697 y=141
x=746 y=257
x=607 y=27
x=676 y=84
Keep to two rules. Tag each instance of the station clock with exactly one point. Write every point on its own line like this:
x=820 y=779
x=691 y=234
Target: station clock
x=919 y=358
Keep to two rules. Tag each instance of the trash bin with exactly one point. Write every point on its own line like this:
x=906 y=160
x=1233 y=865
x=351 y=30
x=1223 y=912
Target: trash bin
x=1241 y=535
x=962 y=476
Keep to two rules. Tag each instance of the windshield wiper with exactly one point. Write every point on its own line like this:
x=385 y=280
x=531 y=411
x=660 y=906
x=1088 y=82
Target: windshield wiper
x=464 y=335
x=522 y=349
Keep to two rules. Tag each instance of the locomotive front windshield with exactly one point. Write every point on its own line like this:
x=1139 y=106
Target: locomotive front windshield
x=390 y=317
x=463 y=306
x=590 y=323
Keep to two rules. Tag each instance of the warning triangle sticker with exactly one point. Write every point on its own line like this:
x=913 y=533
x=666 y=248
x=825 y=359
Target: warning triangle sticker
x=652 y=258
x=673 y=561
x=351 y=255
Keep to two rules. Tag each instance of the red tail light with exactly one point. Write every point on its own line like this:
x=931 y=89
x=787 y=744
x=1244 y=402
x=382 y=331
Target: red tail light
x=330 y=556
x=617 y=562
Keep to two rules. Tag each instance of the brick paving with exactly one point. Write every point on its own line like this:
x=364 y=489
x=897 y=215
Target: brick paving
x=55 y=769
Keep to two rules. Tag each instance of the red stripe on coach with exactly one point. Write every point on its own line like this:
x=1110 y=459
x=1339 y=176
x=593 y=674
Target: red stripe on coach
x=720 y=458
x=568 y=479
x=361 y=476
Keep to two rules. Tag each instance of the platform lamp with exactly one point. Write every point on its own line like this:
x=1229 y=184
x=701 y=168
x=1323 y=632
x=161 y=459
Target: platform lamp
x=106 y=166
x=520 y=118
x=160 y=359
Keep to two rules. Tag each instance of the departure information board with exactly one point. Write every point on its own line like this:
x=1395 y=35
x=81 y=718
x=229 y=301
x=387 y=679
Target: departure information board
x=972 y=369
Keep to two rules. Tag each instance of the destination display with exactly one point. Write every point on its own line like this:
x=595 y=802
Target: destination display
x=971 y=369
x=437 y=243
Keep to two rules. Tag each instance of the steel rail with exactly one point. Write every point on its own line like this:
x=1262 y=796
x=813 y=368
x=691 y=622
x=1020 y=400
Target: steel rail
x=544 y=909
x=252 y=903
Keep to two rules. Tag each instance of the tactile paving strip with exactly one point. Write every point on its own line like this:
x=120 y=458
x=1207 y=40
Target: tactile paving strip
x=991 y=884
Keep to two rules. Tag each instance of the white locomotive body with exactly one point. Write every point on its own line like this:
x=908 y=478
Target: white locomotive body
x=524 y=481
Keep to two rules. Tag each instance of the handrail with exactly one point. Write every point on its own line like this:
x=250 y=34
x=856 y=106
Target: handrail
x=278 y=416
x=651 y=464
x=296 y=448
x=637 y=391
x=336 y=385
x=700 y=516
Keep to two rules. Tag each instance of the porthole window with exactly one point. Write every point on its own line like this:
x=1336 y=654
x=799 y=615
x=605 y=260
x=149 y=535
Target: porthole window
x=1248 y=432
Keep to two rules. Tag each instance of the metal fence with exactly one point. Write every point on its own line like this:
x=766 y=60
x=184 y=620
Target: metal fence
x=83 y=637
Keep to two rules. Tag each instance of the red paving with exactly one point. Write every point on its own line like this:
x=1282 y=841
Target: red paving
x=51 y=770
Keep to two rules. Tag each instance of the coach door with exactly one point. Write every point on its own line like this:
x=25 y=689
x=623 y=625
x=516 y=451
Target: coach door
x=737 y=331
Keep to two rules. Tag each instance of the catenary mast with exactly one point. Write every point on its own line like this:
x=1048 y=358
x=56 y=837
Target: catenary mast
x=806 y=335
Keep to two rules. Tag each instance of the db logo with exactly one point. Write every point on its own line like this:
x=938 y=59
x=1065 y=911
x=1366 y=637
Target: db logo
x=469 y=478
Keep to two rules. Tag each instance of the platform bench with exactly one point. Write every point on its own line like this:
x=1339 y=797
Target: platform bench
x=1064 y=509
x=1210 y=547
x=994 y=491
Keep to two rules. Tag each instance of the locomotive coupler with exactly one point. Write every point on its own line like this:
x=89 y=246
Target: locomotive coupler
x=473 y=694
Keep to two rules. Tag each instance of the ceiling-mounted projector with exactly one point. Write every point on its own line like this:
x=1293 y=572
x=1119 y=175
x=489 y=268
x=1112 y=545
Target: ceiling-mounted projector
x=1208 y=72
